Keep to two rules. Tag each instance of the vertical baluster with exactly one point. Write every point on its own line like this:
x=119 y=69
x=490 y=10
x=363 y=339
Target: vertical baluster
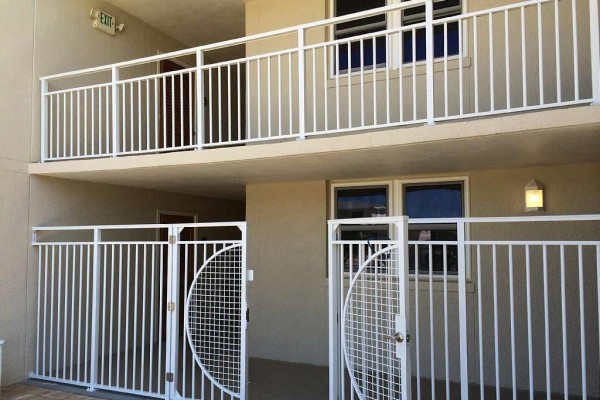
x=220 y=103
x=417 y=320
x=269 y=102
x=119 y=316
x=540 y=53
x=414 y=73
x=143 y=326
x=529 y=327
x=546 y=321
x=374 y=77
x=491 y=47
x=496 y=336
x=575 y=49
x=445 y=69
x=480 y=323
x=557 y=54
x=71 y=136
x=582 y=310
x=431 y=325
x=507 y=58
x=512 y=323
x=563 y=303
x=148 y=113
x=112 y=307
x=523 y=57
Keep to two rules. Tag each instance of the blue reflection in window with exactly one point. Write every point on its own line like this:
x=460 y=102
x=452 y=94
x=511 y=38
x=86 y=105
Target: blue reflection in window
x=438 y=43
x=434 y=201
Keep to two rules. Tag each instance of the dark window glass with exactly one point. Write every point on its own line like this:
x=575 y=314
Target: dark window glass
x=415 y=15
x=434 y=201
x=443 y=200
x=438 y=43
x=362 y=203
x=351 y=53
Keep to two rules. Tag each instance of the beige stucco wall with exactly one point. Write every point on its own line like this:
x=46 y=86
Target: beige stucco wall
x=287 y=246
x=289 y=295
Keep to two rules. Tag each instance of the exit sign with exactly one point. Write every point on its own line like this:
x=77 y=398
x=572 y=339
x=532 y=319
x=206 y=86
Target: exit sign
x=103 y=21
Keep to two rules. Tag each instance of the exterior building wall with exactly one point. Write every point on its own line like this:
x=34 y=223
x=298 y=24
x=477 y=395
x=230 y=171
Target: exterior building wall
x=287 y=248
x=289 y=295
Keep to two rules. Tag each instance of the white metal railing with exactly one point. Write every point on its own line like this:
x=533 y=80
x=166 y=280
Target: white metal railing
x=108 y=301
x=522 y=56
x=509 y=308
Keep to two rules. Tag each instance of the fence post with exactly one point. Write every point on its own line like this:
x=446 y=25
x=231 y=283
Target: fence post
x=199 y=99
x=429 y=54
x=403 y=286
x=301 y=84
x=595 y=51
x=172 y=312
x=462 y=310
x=333 y=296
x=115 y=111
x=95 y=312
x=44 y=121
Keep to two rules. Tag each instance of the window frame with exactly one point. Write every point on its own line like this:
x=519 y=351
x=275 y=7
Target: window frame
x=395 y=20
x=396 y=206
x=464 y=180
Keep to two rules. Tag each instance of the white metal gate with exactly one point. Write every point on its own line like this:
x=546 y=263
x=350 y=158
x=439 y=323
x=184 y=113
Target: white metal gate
x=112 y=309
x=505 y=307
x=370 y=343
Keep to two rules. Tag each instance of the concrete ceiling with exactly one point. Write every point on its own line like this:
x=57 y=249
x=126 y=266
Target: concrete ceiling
x=193 y=22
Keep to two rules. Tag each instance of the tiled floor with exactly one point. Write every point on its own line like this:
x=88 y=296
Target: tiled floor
x=22 y=391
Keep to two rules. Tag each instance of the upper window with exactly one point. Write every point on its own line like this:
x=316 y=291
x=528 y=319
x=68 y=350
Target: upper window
x=373 y=51
x=359 y=53
x=436 y=200
x=441 y=9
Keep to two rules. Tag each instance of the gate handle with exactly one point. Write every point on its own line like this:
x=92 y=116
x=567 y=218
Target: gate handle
x=398 y=337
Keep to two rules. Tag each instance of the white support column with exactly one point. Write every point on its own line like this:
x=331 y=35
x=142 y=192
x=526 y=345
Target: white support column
x=172 y=312
x=333 y=270
x=199 y=99
x=403 y=285
x=462 y=311
x=595 y=51
x=429 y=61
x=95 y=312
x=116 y=134
x=44 y=121
x=244 y=316
x=301 y=84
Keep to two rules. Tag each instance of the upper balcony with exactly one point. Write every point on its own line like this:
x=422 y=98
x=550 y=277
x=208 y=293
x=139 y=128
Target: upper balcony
x=328 y=78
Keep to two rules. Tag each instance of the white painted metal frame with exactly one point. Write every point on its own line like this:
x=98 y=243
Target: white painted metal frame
x=104 y=293
x=121 y=117
x=567 y=271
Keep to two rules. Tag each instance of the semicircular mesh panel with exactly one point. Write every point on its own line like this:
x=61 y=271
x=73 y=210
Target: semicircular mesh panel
x=370 y=310
x=215 y=318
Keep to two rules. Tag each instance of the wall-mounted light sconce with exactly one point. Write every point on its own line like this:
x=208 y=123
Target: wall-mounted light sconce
x=534 y=196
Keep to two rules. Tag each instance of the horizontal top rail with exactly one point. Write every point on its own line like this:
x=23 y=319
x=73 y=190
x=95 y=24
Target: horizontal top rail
x=539 y=218
x=136 y=226
x=242 y=40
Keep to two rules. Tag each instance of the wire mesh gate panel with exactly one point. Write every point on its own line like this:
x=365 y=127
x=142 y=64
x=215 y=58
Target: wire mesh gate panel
x=508 y=308
x=110 y=308
x=370 y=293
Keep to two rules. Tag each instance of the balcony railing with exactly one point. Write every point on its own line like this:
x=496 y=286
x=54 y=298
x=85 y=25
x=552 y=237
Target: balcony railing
x=524 y=56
